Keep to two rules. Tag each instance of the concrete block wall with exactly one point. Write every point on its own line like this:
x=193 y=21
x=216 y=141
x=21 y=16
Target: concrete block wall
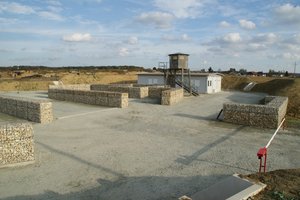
x=39 y=111
x=16 y=144
x=171 y=96
x=133 y=92
x=269 y=115
x=101 y=98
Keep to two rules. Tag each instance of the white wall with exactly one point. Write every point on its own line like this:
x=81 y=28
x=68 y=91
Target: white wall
x=200 y=83
x=151 y=79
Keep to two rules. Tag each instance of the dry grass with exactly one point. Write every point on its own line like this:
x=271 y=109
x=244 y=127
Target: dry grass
x=27 y=83
x=281 y=184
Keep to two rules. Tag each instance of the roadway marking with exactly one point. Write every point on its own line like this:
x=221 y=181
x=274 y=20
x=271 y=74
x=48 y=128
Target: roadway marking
x=87 y=113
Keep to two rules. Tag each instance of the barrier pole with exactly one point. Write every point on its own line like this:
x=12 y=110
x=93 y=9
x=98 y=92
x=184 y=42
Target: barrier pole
x=262 y=152
x=275 y=133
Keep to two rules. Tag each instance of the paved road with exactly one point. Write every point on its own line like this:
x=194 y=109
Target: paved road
x=146 y=151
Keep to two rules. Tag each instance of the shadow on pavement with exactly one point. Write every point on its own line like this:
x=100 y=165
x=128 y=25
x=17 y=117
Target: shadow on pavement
x=90 y=164
x=140 y=188
x=186 y=160
x=210 y=117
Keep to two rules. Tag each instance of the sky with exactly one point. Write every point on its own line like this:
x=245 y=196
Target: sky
x=253 y=34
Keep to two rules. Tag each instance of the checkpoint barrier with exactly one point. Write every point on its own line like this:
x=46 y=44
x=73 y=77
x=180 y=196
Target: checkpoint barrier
x=262 y=152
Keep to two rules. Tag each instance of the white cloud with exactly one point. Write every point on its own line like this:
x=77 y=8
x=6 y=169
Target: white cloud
x=185 y=37
x=266 y=38
x=180 y=8
x=123 y=51
x=8 y=20
x=95 y=1
x=78 y=37
x=160 y=20
x=224 y=24
x=179 y=38
x=288 y=56
x=168 y=38
x=288 y=14
x=15 y=8
x=55 y=9
x=227 y=10
x=133 y=40
x=232 y=38
x=50 y=16
x=255 y=47
x=266 y=45
x=247 y=24
x=54 y=2
x=295 y=39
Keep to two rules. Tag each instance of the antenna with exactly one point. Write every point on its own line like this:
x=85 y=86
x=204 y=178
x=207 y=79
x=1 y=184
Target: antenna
x=295 y=69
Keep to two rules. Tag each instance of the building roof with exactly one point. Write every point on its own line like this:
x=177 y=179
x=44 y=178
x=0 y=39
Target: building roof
x=178 y=74
x=174 y=54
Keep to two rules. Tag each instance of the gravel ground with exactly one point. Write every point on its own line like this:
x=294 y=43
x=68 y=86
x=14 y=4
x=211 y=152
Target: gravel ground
x=146 y=151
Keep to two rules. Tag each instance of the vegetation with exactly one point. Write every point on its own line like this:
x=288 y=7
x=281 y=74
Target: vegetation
x=281 y=184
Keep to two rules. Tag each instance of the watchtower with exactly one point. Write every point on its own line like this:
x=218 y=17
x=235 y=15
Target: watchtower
x=178 y=69
x=178 y=61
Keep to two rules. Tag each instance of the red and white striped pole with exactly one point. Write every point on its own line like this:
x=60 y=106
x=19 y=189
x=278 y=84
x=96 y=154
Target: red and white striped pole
x=262 y=152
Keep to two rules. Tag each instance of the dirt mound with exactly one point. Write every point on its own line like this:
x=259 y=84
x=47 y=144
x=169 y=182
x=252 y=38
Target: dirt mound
x=234 y=82
x=231 y=82
x=273 y=87
x=281 y=184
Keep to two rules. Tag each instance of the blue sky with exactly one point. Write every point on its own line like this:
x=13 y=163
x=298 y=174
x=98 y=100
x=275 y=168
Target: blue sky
x=253 y=34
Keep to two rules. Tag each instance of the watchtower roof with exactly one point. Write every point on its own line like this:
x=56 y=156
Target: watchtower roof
x=174 y=54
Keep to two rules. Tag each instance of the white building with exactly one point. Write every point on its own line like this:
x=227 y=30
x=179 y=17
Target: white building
x=200 y=82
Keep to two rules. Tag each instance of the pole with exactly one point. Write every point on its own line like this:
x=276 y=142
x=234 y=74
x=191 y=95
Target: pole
x=275 y=133
x=262 y=152
x=295 y=69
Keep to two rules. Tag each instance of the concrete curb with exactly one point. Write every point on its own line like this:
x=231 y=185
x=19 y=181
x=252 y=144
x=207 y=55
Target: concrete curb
x=230 y=188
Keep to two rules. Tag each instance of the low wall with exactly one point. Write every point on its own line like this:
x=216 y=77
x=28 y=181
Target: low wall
x=71 y=87
x=39 y=111
x=156 y=91
x=110 y=99
x=269 y=115
x=133 y=92
x=16 y=144
x=171 y=96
